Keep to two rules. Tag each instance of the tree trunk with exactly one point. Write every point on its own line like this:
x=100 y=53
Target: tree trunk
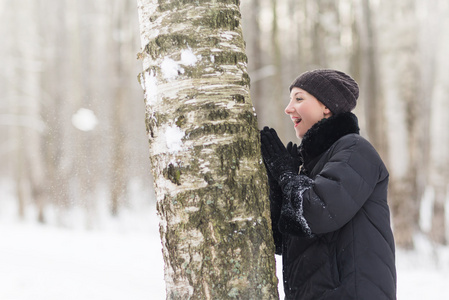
x=254 y=49
x=328 y=49
x=55 y=107
x=401 y=85
x=30 y=165
x=369 y=83
x=277 y=102
x=121 y=9
x=204 y=148
x=12 y=71
x=438 y=134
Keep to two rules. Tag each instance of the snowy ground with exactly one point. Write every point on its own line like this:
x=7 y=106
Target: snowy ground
x=123 y=261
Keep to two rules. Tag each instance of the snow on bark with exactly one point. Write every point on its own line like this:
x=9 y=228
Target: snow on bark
x=210 y=182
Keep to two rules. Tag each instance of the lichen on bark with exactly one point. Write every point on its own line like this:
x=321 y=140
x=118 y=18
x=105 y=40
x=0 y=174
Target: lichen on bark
x=210 y=181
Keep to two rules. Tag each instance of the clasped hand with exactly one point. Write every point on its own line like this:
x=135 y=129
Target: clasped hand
x=281 y=162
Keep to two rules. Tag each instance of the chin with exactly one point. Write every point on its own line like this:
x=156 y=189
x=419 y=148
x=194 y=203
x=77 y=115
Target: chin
x=298 y=132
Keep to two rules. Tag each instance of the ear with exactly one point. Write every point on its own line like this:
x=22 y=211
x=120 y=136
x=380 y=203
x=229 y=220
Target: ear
x=327 y=111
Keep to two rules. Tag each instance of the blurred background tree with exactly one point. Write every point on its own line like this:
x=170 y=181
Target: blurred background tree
x=71 y=109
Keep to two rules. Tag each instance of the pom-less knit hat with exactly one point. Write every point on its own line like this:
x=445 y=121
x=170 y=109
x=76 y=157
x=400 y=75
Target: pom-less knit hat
x=335 y=89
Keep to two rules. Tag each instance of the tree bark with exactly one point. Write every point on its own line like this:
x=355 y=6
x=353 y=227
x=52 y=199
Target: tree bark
x=204 y=148
x=121 y=10
x=438 y=105
x=401 y=85
x=328 y=51
x=30 y=165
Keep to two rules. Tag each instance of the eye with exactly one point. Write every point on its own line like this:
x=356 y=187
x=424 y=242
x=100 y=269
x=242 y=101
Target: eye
x=299 y=99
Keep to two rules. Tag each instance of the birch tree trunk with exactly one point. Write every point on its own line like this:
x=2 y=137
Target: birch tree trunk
x=438 y=229
x=277 y=101
x=370 y=88
x=328 y=51
x=121 y=11
x=204 y=148
x=400 y=85
x=30 y=165
x=32 y=98
x=17 y=132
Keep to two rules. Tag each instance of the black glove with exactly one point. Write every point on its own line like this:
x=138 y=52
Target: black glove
x=278 y=160
x=294 y=152
x=272 y=182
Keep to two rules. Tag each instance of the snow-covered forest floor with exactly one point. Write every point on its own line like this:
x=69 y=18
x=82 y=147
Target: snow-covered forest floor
x=120 y=258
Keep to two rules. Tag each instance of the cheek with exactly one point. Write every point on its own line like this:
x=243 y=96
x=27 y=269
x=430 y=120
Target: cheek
x=304 y=110
x=312 y=113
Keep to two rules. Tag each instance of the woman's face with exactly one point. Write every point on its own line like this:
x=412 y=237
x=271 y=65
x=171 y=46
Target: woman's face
x=305 y=110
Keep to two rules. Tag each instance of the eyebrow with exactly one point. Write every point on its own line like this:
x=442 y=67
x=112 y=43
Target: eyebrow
x=295 y=94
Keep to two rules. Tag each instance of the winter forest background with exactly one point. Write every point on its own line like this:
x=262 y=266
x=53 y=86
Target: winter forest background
x=74 y=152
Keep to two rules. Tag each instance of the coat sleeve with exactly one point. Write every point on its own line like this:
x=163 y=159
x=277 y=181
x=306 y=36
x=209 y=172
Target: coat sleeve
x=275 y=208
x=336 y=193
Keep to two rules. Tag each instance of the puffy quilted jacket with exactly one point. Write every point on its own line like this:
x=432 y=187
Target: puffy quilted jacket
x=333 y=227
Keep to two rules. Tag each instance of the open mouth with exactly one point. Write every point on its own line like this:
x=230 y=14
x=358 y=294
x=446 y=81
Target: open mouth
x=297 y=121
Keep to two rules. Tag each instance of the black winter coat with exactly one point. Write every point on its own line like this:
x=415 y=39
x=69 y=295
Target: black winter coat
x=333 y=227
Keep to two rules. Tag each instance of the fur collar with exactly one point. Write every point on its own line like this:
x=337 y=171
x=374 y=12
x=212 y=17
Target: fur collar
x=325 y=133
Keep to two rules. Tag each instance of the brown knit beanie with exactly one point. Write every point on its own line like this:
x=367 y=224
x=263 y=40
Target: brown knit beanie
x=335 y=89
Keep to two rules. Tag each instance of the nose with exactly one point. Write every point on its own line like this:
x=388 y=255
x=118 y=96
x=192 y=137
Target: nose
x=289 y=108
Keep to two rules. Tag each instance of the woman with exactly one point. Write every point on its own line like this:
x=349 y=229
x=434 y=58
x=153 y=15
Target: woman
x=330 y=217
